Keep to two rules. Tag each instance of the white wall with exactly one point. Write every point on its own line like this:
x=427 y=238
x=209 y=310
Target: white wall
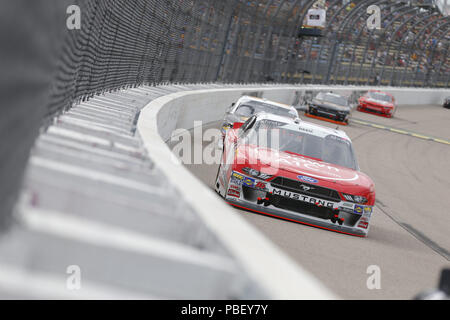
x=183 y=108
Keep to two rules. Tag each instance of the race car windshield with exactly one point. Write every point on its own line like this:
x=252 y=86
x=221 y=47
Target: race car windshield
x=327 y=97
x=248 y=109
x=331 y=149
x=380 y=96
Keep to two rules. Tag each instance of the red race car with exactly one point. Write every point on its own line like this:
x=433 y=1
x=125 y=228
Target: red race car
x=296 y=171
x=378 y=103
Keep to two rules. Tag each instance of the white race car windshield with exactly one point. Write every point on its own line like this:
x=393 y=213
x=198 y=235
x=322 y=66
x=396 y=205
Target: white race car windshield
x=250 y=108
x=294 y=139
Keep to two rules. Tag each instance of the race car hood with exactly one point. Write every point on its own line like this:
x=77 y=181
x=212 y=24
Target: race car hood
x=309 y=170
x=329 y=105
x=377 y=102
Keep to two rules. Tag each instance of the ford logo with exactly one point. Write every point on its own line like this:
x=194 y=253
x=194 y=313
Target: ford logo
x=308 y=179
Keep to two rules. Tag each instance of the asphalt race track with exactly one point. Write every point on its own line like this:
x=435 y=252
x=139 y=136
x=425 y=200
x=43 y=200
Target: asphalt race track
x=410 y=230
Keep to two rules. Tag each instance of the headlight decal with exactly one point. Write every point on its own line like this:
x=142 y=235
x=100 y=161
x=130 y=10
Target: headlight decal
x=257 y=174
x=355 y=199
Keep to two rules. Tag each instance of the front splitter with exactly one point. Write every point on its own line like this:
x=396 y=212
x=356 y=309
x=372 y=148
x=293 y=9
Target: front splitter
x=384 y=115
x=326 y=119
x=297 y=218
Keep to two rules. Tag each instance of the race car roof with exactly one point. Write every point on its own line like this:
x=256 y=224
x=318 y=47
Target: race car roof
x=304 y=125
x=278 y=104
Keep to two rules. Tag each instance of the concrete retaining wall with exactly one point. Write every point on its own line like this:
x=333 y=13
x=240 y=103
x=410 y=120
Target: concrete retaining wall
x=182 y=109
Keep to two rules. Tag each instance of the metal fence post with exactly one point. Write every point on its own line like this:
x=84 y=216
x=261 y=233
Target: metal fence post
x=293 y=36
x=282 y=31
x=326 y=32
x=226 y=40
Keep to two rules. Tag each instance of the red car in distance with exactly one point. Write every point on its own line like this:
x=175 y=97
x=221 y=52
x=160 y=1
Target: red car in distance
x=377 y=103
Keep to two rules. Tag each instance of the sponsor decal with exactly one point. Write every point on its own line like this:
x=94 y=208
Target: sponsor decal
x=234 y=193
x=238 y=176
x=237 y=179
x=300 y=197
x=348 y=205
x=306 y=188
x=348 y=210
x=248 y=182
x=260 y=185
x=367 y=213
x=363 y=223
x=306 y=130
x=252 y=172
x=359 y=209
x=235 y=187
x=308 y=179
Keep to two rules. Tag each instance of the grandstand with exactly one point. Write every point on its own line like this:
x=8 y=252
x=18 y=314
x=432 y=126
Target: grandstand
x=409 y=50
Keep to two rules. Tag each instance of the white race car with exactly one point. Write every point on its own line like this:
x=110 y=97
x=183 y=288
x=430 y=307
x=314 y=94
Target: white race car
x=247 y=106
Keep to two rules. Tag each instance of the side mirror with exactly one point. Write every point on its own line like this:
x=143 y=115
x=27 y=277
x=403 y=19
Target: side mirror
x=237 y=125
x=444 y=283
x=443 y=293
